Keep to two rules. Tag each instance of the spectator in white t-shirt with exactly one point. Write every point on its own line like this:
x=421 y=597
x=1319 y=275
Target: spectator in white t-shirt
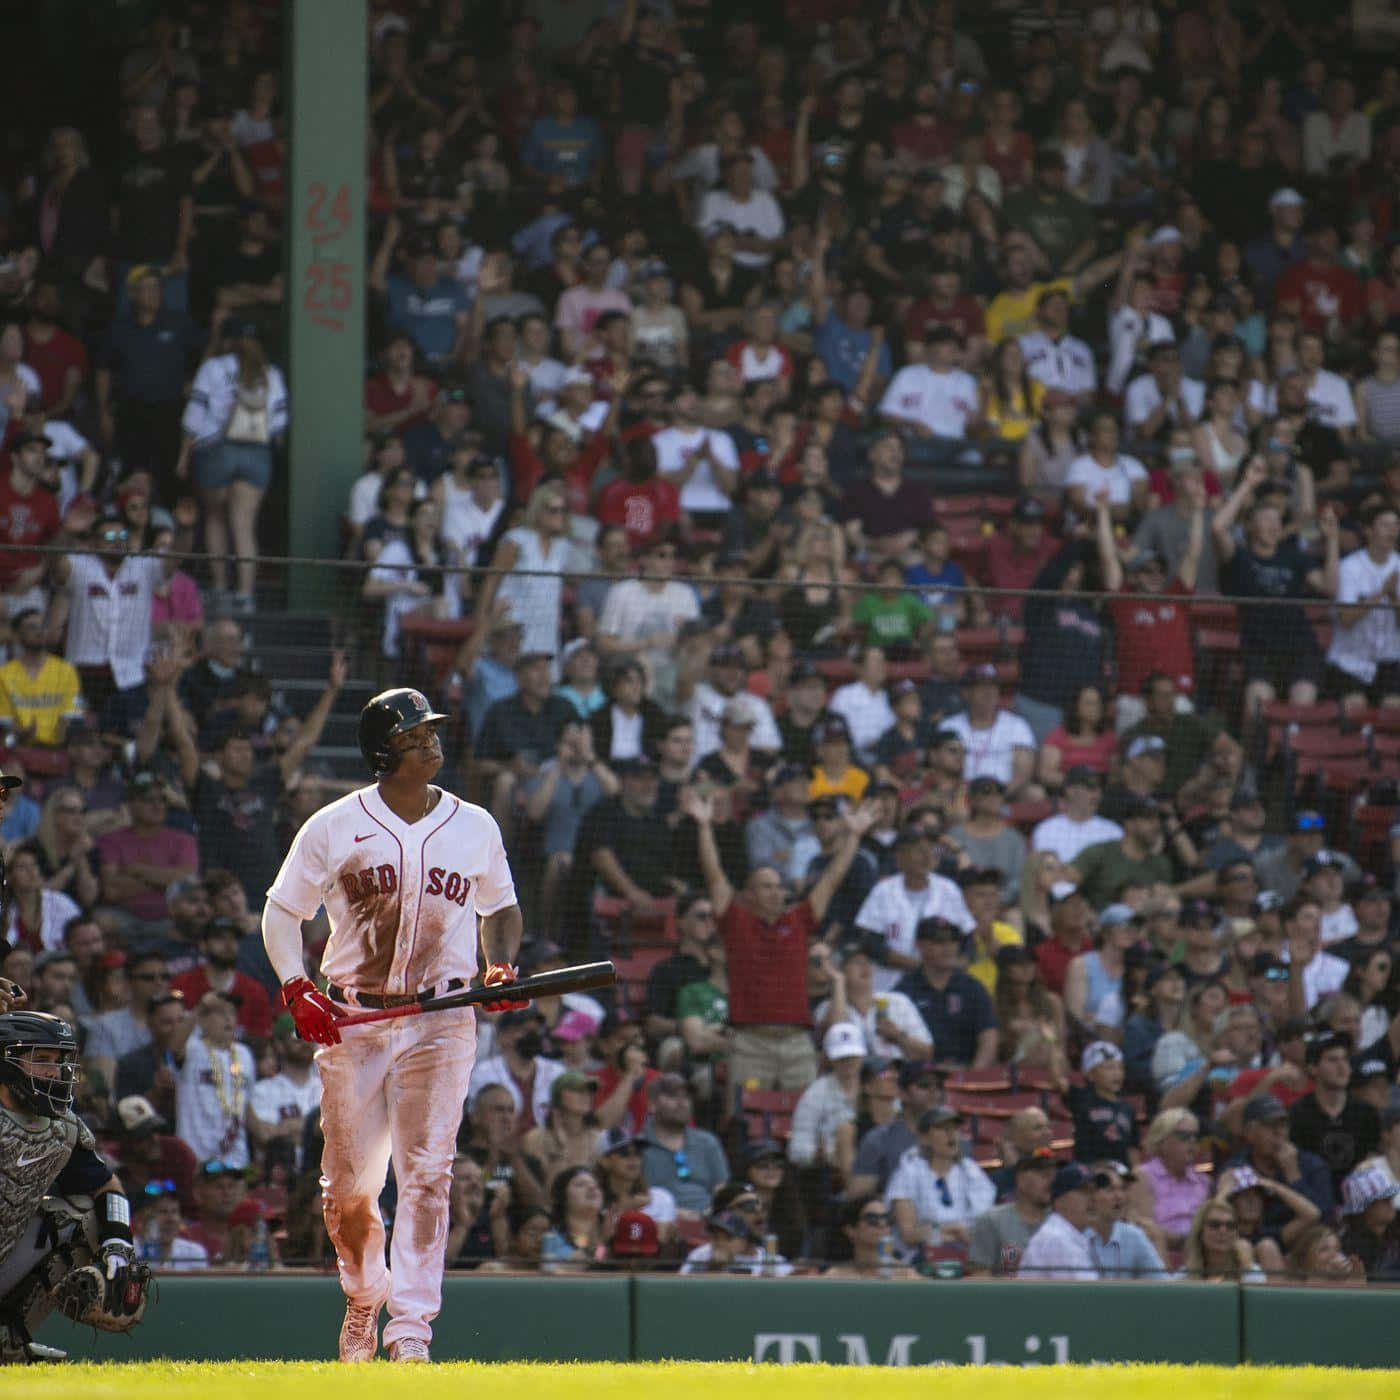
x=281 y=1103
x=212 y=1085
x=701 y=462
x=1363 y=662
x=996 y=742
x=1327 y=396
x=754 y=215
x=1077 y=824
x=895 y=907
x=864 y=705
x=1163 y=398
x=1104 y=468
x=937 y=399
x=1134 y=326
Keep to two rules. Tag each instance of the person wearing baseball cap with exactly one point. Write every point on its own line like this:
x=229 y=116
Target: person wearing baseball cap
x=936 y=1193
x=921 y=1085
x=1368 y=1222
x=1059 y=1249
x=830 y=1100
x=1137 y=857
x=1120 y=1248
x=1077 y=825
x=997 y=743
x=1016 y=554
x=955 y=1006
x=1000 y=1235
x=1105 y=1124
x=1268 y=1152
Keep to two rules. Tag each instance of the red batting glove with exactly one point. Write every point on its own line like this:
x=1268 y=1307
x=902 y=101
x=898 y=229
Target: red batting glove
x=498 y=975
x=315 y=1015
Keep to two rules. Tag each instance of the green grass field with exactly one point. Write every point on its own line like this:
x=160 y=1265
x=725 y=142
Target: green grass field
x=306 y=1380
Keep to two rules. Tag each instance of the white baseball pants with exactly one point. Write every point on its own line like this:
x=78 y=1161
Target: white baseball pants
x=394 y=1091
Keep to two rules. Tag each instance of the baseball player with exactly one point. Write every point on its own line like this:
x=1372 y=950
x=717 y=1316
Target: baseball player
x=65 y=1223
x=405 y=872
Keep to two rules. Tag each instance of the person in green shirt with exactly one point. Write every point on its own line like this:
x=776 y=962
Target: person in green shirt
x=1063 y=226
x=893 y=617
x=1137 y=857
x=702 y=1009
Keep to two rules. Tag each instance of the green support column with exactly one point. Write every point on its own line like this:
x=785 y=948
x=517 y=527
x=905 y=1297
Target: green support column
x=328 y=63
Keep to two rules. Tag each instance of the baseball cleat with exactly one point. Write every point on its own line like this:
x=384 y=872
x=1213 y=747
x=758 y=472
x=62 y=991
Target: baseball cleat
x=359 y=1333
x=409 y=1349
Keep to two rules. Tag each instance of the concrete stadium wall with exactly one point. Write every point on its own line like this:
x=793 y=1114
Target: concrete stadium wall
x=780 y=1321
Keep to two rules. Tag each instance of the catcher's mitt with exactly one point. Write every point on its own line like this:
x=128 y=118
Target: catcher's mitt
x=114 y=1305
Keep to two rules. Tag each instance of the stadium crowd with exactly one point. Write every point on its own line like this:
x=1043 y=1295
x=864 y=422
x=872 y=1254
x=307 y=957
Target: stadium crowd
x=815 y=425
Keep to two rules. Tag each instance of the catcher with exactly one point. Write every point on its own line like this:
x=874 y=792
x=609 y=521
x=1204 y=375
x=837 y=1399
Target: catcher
x=65 y=1223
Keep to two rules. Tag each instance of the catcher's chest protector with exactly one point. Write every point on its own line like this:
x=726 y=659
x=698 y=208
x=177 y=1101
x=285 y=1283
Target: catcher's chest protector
x=32 y=1152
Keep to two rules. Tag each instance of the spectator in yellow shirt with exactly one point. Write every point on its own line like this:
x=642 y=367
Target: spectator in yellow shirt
x=39 y=692
x=981 y=888
x=835 y=774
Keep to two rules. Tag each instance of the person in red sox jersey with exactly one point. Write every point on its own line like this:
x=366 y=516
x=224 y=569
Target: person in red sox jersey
x=406 y=872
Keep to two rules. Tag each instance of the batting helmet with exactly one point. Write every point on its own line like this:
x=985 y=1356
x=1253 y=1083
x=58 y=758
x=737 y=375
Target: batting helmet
x=391 y=712
x=23 y=1032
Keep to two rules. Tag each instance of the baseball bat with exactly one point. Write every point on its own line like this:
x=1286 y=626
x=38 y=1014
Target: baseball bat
x=585 y=977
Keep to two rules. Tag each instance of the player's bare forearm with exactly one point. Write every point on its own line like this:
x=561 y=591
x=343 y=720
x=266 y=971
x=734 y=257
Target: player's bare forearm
x=501 y=933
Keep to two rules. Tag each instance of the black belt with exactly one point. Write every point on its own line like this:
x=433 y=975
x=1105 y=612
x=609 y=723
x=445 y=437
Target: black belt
x=376 y=1003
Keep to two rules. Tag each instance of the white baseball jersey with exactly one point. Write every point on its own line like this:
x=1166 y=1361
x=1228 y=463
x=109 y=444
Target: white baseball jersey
x=893 y=909
x=402 y=898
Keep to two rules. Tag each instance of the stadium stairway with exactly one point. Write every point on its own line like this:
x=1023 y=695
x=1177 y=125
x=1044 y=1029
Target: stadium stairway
x=293 y=650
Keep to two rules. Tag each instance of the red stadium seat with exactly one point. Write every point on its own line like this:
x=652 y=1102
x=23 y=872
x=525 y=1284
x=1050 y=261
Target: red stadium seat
x=430 y=644
x=995 y=1079
x=768 y=1112
x=992 y=1105
x=1026 y=815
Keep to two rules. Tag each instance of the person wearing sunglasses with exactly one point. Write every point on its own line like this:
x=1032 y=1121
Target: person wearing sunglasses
x=936 y=1193
x=1214 y=1251
x=619 y=1170
x=1122 y=1247
x=1281 y=869
x=161 y=1229
x=866 y=1223
x=686 y=1161
x=110 y=593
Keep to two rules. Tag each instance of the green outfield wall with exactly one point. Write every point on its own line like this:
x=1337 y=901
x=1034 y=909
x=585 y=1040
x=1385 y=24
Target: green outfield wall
x=938 y=1322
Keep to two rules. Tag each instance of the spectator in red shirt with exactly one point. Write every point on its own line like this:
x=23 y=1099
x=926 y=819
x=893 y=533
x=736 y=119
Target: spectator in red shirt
x=1017 y=554
x=621 y=1084
x=1153 y=634
x=767 y=942
x=145 y=1152
x=947 y=304
x=57 y=357
x=216 y=972
x=1069 y=935
x=141 y=861
x=218 y=1189
x=644 y=504
x=28 y=515
x=1323 y=294
x=397 y=398
x=559 y=457
x=923 y=137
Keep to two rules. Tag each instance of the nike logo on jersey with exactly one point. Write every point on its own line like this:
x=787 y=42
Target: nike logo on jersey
x=370 y=837
x=29 y=1161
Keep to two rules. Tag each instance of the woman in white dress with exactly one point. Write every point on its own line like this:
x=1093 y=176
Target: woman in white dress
x=531 y=559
